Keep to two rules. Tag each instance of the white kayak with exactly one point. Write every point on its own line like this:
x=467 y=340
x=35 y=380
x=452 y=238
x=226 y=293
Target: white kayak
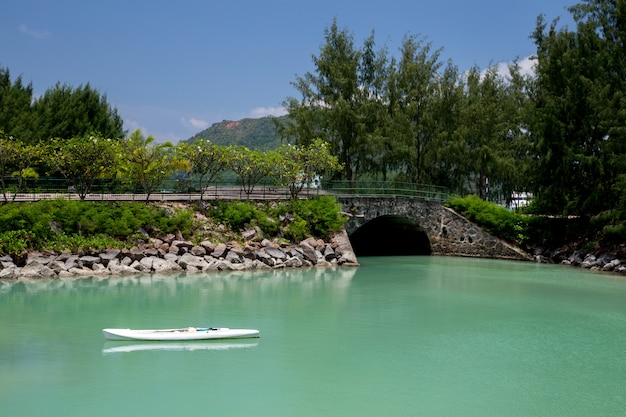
x=187 y=333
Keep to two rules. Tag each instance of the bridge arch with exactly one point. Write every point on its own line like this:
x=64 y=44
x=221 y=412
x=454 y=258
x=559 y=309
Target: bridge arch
x=390 y=235
x=443 y=230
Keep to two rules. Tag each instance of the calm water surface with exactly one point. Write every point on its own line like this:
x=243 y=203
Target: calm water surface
x=409 y=336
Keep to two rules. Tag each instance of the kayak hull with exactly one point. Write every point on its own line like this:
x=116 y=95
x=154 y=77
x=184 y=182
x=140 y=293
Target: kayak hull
x=188 y=333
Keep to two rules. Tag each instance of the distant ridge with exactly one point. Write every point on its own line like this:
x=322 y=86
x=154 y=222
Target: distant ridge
x=254 y=133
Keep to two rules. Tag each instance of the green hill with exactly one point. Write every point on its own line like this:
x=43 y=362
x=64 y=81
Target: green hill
x=254 y=133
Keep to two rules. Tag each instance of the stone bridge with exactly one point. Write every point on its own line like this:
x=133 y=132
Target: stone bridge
x=410 y=226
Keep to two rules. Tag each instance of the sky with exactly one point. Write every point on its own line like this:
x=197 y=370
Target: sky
x=173 y=68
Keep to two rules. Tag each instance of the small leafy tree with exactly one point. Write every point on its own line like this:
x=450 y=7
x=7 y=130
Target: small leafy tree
x=145 y=163
x=16 y=160
x=206 y=159
x=82 y=160
x=298 y=166
x=251 y=166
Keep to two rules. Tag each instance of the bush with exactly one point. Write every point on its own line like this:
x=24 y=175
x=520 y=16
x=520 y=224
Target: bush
x=62 y=224
x=294 y=219
x=15 y=242
x=496 y=220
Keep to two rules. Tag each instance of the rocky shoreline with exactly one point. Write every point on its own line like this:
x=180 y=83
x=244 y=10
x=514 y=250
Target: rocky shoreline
x=595 y=260
x=169 y=254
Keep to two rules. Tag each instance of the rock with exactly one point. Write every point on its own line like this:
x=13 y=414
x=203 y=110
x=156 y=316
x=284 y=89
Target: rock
x=188 y=260
x=58 y=266
x=197 y=251
x=309 y=252
x=208 y=246
x=164 y=265
x=276 y=253
x=118 y=268
x=80 y=271
x=9 y=273
x=224 y=266
x=71 y=262
x=262 y=256
x=293 y=262
x=106 y=257
x=88 y=261
x=328 y=253
x=232 y=257
x=147 y=263
x=219 y=251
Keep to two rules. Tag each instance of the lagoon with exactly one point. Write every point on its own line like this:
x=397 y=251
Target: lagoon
x=401 y=336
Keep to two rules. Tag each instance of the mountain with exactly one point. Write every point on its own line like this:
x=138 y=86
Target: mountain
x=254 y=133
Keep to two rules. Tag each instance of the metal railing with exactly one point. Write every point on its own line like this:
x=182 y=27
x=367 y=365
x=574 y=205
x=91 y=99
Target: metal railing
x=183 y=190
x=387 y=188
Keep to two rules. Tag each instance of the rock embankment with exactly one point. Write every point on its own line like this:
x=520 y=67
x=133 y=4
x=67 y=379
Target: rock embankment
x=168 y=254
x=596 y=260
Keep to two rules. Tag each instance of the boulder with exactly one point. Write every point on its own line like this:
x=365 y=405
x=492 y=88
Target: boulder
x=309 y=252
x=188 y=260
x=9 y=273
x=106 y=257
x=264 y=257
x=197 y=251
x=164 y=265
x=88 y=261
x=232 y=257
x=276 y=253
x=219 y=251
x=293 y=262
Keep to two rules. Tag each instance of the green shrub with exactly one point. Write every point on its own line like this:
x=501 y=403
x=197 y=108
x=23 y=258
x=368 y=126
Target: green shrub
x=322 y=215
x=294 y=219
x=14 y=242
x=87 y=224
x=236 y=214
x=494 y=219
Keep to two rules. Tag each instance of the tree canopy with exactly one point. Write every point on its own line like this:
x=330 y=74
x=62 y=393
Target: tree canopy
x=61 y=112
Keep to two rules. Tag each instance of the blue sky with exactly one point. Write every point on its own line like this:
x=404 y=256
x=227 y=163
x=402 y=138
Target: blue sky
x=173 y=68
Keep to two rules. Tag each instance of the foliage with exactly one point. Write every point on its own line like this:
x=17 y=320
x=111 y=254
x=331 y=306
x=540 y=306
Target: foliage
x=505 y=224
x=16 y=160
x=14 y=242
x=67 y=112
x=581 y=110
x=61 y=223
x=339 y=101
x=298 y=166
x=413 y=118
x=322 y=215
x=82 y=160
x=145 y=164
x=16 y=118
x=250 y=165
x=293 y=219
x=207 y=160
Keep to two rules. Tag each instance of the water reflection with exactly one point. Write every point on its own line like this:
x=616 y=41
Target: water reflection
x=339 y=277
x=116 y=348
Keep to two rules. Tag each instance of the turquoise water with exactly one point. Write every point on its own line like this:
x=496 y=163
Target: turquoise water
x=408 y=336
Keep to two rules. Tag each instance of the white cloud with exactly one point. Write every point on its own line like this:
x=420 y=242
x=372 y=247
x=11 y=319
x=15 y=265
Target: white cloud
x=195 y=123
x=526 y=66
x=35 y=34
x=268 y=111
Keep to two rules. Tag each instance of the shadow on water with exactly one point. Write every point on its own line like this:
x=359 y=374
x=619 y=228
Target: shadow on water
x=390 y=236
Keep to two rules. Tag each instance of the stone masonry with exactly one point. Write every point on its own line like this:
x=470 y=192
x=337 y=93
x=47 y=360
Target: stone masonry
x=448 y=232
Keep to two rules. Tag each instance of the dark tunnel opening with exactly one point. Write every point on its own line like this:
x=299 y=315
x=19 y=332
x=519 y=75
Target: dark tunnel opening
x=390 y=236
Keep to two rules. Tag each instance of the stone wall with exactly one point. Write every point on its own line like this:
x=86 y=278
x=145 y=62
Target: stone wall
x=448 y=232
x=168 y=254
